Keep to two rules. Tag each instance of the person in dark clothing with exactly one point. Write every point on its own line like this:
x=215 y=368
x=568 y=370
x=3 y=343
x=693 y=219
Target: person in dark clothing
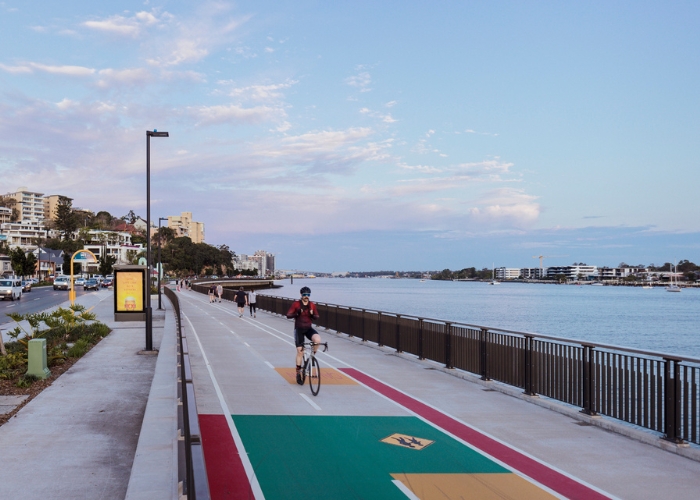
x=241 y=299
x=212 y=291
x=304 y=312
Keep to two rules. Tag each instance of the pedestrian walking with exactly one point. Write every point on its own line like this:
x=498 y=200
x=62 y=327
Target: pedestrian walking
x=252 y=302
x=219 y=291
x=241 y=300
x=212 y=291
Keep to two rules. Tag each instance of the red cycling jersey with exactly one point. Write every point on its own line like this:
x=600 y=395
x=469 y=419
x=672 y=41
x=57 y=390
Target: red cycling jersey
x=303 y=315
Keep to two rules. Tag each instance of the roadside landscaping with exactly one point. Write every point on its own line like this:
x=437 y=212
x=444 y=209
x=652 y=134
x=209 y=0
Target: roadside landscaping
x=69 y=333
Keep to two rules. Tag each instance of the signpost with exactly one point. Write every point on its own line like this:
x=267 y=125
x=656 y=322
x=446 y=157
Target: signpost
x=83 y=257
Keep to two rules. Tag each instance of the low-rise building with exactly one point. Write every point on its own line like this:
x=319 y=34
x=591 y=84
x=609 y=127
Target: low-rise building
x=507 y=273
x=24 y=233
x=533 y=273
x=573 y=272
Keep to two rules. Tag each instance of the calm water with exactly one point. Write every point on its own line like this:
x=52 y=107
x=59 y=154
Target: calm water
x=631 y=317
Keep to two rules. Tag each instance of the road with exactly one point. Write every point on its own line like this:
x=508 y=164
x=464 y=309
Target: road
x=37 y=300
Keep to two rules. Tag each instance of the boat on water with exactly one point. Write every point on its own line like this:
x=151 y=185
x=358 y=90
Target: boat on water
x=493 y=277
x=673 y=285
x=597 y=283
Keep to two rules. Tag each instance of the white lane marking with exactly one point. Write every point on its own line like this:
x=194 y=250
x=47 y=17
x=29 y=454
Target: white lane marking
x=405 y=490
x=552 y=492
x=38 y=298
x=246 y=344
x=308 y=400
x=254 y=485
x=269 y=364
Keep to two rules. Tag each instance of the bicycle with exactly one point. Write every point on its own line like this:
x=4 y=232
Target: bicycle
x=310 y=367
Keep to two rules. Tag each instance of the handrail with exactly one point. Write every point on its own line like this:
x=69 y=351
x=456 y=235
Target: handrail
x=194 y=477
x=654 y=390
x=662 y=355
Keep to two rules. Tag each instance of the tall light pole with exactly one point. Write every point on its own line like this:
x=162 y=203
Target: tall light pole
x=149 y=312
x=160 y=266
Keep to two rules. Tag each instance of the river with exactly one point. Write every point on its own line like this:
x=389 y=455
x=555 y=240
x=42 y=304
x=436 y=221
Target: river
x=625 y=316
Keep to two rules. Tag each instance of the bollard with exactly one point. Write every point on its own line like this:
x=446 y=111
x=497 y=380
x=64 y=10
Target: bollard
x=37 y=359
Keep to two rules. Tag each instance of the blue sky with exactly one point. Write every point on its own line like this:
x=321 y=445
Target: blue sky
x=368 y=135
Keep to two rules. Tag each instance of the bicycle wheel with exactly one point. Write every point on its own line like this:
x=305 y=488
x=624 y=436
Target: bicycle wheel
x=314 y=376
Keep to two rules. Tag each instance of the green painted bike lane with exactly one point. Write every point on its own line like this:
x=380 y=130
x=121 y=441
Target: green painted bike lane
x=343 y=457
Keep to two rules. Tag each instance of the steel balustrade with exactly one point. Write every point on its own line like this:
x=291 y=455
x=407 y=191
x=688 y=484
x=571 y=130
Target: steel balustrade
x=649 y=389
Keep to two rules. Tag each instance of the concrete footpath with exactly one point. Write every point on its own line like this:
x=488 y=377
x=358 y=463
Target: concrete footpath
x=78 y=438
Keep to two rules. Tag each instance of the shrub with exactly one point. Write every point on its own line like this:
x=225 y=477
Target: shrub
x=79 y=348
x=26 y=380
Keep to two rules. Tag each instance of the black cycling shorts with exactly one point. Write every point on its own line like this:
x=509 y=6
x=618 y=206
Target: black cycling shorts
x=300 y=334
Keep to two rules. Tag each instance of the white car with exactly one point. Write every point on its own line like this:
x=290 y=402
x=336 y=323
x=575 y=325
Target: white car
x=79 y=281
x=61 y=283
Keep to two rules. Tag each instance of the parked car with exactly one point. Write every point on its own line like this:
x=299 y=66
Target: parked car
x=107 y=283
x=26 y=286
x=91 y=284
x=61 y=283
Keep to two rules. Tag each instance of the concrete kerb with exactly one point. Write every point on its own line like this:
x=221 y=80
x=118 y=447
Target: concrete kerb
x=628 y=430
x=154 y=473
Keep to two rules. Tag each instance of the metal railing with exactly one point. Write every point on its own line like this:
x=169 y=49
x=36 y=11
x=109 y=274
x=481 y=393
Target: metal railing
x=652 y=390
x=192 y=469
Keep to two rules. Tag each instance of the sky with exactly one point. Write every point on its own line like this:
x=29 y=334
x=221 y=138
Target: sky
x=364 y=135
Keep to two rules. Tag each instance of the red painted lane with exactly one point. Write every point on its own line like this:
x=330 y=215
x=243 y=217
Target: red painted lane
x=550 y=478
x=227 y=477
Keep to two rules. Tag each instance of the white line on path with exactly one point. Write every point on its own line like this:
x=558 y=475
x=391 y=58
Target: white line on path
x=405 y=490
x=269 y=364
x=308 y=400
x=254 y=485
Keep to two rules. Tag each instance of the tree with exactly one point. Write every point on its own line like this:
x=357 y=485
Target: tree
x=66 y=221
x=130 y=217
x=107 y=264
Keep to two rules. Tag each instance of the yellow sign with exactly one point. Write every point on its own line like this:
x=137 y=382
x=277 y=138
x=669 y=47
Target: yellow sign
x=407 y=441
x=129 y=290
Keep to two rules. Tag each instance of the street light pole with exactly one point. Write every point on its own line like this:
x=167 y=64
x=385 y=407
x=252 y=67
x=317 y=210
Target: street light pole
x=160 y=266
x=149 y=312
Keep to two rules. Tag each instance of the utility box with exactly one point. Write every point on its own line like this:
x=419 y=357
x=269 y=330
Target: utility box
x=37 y=359
x=130 y=288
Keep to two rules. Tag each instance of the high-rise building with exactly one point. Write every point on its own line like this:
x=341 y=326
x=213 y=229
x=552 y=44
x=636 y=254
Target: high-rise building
x=183 y=225
x=30 y=205
x=51 y=206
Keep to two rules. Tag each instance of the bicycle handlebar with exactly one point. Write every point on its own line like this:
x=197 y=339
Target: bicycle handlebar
x=324 y=344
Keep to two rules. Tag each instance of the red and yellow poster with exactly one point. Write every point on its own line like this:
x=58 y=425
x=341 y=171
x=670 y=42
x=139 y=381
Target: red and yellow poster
x=129 y=290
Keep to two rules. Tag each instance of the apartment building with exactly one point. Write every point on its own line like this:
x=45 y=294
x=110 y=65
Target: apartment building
x=29 y=204
x=261 y=260
x=24 y=233
x=115 y=244
x=573 y=272
x=533 y=273
x=51 y=206
x=183 y=225
x=507 y=273
x=5 y=214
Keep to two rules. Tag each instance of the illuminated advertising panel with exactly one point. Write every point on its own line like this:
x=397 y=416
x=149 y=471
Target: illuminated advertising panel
x=129 y=291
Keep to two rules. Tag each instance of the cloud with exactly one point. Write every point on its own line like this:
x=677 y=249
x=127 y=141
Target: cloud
x=233 y=114
x=31 y=67
x=361 y=81
x=126 y=26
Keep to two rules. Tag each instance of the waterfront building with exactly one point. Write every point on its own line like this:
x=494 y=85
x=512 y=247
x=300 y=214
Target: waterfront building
x=507 y=273
x=30 y=205
x=533 y=273
x=573 y=272
x=183 y=225
x=261 y=261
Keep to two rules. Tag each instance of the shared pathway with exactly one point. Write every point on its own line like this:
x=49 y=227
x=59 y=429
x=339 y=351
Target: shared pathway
x=387 y=425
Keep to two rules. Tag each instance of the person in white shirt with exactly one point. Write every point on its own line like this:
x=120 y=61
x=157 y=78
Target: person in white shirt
x=252 y=300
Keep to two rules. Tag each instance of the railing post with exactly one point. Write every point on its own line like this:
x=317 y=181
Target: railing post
x=337 y=330
x=398 y=334
x=672 y=401
x=528 y=366
x=483 y=355
x=364 y=336
x=448 y=346
x=588 y=380
x=379 y=329
x=420 y=339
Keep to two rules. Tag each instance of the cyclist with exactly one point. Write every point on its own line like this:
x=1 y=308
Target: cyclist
x=304 y=312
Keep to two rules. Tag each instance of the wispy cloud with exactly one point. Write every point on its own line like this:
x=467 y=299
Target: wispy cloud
x=131 y=26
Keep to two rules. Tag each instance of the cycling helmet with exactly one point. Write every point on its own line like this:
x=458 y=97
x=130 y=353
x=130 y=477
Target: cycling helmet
x=304 y=290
